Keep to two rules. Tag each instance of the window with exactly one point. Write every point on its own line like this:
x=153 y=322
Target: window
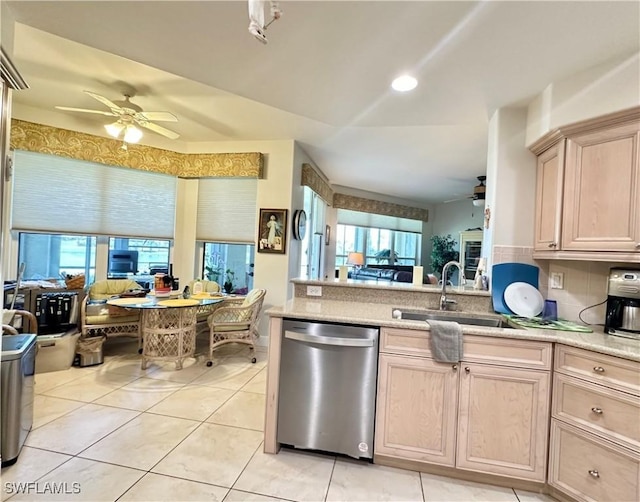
x=223 y=262
x=49 y=256
x=313 y=243
x=379 y=245
x=153 y=255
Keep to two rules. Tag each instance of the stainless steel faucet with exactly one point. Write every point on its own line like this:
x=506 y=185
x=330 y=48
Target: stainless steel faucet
x=446 y=304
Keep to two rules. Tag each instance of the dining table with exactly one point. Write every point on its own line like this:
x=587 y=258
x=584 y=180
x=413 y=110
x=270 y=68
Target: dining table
x=167 y=325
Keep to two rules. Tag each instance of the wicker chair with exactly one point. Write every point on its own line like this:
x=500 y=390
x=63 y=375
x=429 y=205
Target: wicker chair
x=100 y=319
x=236 y=323
x=204 y=310
x=8 y=317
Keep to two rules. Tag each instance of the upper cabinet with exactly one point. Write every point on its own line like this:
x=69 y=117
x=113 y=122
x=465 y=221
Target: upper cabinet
x=588 y=190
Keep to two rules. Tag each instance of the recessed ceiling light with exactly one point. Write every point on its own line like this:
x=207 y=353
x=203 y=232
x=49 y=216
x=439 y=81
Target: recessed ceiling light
x=404 y=83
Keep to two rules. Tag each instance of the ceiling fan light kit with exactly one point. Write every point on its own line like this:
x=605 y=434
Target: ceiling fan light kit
x=129 y=115
x=479 y=192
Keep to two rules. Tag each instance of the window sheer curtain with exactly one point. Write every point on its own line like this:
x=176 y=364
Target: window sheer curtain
x=227 y=210
x=60 y=195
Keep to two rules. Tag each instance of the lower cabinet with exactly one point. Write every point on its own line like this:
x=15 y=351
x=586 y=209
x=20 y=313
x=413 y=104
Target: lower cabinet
x=489 y=418
x=502 y=421
x=595 y=427
x=417 y=407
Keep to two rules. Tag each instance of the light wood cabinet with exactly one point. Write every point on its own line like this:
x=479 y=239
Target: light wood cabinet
x=602 y=191
x=595 y=426
x=549 y=186
x=588 y=190
x=416 y=413
x=503 y=421
x=488 y=414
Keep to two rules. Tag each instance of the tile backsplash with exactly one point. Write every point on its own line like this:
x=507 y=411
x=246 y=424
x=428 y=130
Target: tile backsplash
x=584 y=282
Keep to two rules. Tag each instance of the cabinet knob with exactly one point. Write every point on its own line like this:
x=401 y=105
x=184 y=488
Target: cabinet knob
x=593 y=473
x=467 y=369
x=454 y=367
x=596 y=410
x=553 y=244
x=598 y=369
x=637 y=245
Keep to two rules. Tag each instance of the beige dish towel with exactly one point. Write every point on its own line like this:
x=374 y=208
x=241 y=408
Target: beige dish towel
x=446 y=341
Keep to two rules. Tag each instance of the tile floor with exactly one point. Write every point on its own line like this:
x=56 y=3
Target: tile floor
x=116 y=432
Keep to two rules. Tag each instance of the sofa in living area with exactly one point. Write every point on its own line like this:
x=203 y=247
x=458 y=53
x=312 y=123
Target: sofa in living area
x=397 y=273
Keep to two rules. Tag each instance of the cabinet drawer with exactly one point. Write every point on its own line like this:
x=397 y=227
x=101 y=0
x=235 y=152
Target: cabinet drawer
x=611 y=413
x=507 y=352
x=405 y=341
x=615 y=372
x=592 y=469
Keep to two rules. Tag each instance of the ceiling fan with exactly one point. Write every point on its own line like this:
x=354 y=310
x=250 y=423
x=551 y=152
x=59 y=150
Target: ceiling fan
x=129 y=115
x=478 y=194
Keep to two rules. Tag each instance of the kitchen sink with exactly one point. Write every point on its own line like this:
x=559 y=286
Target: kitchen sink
x=459 y=317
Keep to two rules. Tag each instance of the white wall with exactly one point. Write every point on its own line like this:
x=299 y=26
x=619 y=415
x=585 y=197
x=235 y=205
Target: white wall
x=511 y=177
x=453 y=218
x=599 y=90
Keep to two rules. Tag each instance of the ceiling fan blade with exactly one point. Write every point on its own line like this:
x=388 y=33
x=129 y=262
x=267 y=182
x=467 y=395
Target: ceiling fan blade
x=459 y=198
x=85 y=110
x=104 y=101
x=158 y=116
x=159 y=129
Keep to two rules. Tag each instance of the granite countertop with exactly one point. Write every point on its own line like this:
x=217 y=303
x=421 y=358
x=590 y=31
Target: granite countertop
x=379 y=314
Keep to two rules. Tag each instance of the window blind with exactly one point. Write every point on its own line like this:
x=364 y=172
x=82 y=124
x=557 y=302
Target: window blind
x=227 y=210
x=371 y=220
x=61 y=195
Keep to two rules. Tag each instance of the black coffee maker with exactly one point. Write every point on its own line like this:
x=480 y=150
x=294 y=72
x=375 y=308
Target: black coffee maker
x=623 y=303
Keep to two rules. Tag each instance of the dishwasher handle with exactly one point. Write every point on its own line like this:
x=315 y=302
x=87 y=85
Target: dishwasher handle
x=327 y=340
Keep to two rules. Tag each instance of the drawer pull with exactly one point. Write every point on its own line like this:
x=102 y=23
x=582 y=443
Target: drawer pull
x=467 y=369
x=597 y=411
x=454 y=367
x=598 y=369
x=594 y=474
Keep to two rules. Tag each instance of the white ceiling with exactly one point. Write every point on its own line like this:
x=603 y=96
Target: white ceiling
x=323 y=79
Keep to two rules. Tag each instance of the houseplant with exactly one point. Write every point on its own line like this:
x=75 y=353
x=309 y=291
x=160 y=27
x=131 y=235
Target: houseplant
x=442 y=252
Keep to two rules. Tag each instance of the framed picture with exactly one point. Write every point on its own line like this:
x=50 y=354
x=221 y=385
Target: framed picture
x=327 y=235
x=272 y=231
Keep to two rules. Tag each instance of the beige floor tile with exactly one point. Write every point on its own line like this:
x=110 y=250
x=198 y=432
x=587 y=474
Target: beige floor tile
x=238 y=496
x=195 y=402
x=127 y=365
x=79 y=429
x=244 y=355
x=148 y=438
x=244 y=409
x=228 y=374
x=165 y=488
x=47 y=408
x=31 y=465
x=84 y=480
x=524 y=496
x=212 y=454
x=91 y=386
x=288 y=475
x=140 y=394
x=258 y=383
x=47 y=381
x=362 y=481
x=443 y=489
x=191 y=369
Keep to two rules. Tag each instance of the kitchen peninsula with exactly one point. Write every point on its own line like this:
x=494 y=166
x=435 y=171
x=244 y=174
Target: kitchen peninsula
x=488 y=417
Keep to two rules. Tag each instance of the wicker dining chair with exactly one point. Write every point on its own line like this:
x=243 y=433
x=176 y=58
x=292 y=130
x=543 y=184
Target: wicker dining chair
x=236 y=323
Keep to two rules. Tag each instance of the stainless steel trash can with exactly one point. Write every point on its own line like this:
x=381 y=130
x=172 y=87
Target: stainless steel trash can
x=16 y=394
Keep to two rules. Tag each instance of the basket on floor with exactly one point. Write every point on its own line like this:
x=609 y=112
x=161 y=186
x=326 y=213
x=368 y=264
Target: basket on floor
x=75 y=282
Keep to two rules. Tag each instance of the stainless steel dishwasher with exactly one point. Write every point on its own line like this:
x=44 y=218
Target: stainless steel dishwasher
x=327 y=395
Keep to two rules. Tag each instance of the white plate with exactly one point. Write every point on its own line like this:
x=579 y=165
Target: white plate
x=523 y=299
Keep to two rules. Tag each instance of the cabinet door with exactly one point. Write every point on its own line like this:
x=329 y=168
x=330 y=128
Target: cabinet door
x=416 y=409
x=549 y=183
x=602 y=191
x=503 y=420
